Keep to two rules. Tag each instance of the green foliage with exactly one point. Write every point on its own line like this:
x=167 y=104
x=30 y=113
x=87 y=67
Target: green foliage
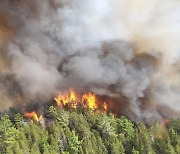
x=134 y=151
x=117 y=147
x=105 y=127
x=125 y=126
x=5 y=123
x=18 y=120
x=175 y=124
x=74 y=143
x=86 y=132
x=143 y=141
x=52 y=112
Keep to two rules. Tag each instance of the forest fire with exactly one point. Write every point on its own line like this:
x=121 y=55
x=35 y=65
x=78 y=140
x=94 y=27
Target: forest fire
x=33 y=115
x=87 y=100
x=73 y=100
x=90 y=100
x=98 y=76
x=65 y=98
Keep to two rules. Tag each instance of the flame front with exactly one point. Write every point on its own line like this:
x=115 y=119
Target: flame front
x=90 y=100
x=87 y=100
x=33 y=115
x=72 y=95
x=66 y=98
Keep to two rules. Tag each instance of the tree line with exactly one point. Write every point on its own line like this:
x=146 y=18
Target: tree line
x=86 y=132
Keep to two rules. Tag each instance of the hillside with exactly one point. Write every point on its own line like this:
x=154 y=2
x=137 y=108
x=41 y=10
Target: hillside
x=82 y=131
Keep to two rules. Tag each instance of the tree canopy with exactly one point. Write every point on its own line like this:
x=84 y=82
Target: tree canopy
x=86 y=132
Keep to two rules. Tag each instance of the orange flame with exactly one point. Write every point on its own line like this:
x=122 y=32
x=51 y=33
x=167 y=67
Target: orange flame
x=72 y=95
x=33 y=115
x=87 y=100
x=105 y=106
x=66 y=98
x=90 y=99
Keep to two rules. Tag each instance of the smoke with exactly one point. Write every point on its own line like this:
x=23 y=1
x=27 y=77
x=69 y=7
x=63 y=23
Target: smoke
x=115 y=48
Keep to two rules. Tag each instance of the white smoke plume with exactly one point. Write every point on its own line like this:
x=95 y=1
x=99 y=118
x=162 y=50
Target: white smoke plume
x=116 y=48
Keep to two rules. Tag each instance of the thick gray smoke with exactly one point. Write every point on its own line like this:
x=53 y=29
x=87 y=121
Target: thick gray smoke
x=115 y=48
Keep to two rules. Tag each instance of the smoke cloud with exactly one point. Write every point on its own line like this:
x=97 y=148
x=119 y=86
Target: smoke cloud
x=114 y=48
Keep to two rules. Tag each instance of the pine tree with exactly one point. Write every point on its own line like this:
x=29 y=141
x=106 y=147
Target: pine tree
x=74 y=143
x=117 y=148
x=105 y=127
x=54 y=144
x=175 y=125
x=19 y=121
x=35 y=149
x=125 y=126
x=17 y=149
x=143 y=142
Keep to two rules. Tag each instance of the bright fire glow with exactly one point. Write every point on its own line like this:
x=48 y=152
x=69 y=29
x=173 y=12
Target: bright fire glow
x=33 y=115
x=72 y=95
x=90 y=99
x=67 y=98
x=105 y=106
x=87 y=100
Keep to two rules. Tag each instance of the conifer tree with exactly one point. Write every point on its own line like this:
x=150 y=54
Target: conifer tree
x=19 y=121
x=117 y=148
x=74 y=143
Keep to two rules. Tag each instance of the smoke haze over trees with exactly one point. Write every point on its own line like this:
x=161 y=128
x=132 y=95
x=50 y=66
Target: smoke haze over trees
x=125 y=50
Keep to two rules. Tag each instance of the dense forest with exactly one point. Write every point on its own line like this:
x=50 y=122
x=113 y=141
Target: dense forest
x=71 y=131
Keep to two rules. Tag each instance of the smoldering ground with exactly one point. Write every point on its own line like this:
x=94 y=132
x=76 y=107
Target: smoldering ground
x=114 y=48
